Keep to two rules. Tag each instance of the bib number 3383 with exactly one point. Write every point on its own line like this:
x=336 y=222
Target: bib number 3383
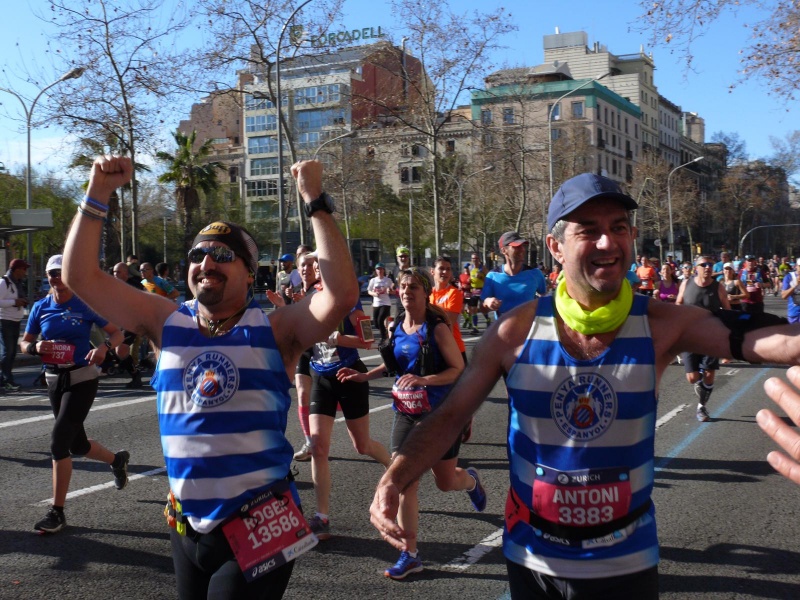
x=581 y=498
x=268 y=532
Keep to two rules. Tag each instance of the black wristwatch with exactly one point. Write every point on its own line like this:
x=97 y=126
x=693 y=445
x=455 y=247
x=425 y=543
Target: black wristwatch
x=324 y=202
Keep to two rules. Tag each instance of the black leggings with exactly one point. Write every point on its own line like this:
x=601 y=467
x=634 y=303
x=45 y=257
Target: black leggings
x=379 y=315
x=532 y=585
x=206 y=568
x=71 y=407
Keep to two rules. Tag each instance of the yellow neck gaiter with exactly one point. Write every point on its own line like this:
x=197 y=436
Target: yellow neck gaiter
x=601 y=320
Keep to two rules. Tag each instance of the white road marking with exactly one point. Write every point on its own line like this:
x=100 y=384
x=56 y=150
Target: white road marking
x=670 y=415
x=94 y=408
x=731 y=372
x=474 y=554
x=104 y=486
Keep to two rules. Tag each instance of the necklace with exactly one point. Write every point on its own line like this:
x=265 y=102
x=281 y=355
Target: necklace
x=215 y=327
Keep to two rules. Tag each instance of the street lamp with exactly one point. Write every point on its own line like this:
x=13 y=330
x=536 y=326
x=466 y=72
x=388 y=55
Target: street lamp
x=71 y=74
x=669 y=203
x=166 y=219
x=278 y=103
x=550 y=124
x=460 y=198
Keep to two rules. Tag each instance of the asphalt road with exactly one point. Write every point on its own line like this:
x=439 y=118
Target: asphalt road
x=728 y=524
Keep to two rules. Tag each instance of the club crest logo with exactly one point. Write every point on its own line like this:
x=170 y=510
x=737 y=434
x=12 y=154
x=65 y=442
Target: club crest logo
x=211 y=379
x=584 y=406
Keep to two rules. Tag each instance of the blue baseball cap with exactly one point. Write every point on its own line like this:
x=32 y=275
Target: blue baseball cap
x=577 y=191
x=287 y=258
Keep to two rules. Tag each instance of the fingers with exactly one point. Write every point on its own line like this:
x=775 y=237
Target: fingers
x=383 y=513
x=783 y=395
x=785 y=466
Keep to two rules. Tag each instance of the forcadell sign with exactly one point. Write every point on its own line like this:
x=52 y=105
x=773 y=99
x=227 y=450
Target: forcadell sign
x=297 y=34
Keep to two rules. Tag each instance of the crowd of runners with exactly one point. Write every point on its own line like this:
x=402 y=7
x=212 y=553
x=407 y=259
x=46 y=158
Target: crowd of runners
x=581 y=350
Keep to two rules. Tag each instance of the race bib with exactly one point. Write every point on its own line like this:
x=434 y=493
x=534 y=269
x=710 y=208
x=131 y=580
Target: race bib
x=581 y=498
x=61 y=354
x=413 y=401
x=268 y=532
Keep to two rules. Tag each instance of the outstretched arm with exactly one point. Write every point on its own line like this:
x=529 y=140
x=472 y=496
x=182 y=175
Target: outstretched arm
x=115 y=300
x=298 y=326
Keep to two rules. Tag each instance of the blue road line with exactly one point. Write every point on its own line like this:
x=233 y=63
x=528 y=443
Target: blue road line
x=687 y=441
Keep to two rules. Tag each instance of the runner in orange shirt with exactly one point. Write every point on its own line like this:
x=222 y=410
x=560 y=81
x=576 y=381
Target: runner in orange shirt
x=450 y=299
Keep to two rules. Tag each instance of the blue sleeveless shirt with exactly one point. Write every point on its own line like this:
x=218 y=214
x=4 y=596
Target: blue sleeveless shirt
x=222 y=411
x=581 y=448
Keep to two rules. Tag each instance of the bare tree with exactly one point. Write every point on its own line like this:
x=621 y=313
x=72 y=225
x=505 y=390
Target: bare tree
x=787 y=153
x=131 y=68
x=772 y=55
x=452 y=50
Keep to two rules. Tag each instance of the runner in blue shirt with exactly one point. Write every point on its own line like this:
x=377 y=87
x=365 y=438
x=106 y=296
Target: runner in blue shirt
x=515 y=285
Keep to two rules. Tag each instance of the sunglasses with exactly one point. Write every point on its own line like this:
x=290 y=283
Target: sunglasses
x=54 y=273
x=219 y=254
x=706 y=265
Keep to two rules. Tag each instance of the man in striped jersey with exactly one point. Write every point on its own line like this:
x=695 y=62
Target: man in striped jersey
x=582 y=369
x=223 y=378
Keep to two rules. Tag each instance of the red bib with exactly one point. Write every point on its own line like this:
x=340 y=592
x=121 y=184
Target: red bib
x=268 y=532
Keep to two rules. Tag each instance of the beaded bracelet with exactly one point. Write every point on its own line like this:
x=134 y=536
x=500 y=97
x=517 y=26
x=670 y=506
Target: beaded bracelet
x=90 y=215
x=95 y=204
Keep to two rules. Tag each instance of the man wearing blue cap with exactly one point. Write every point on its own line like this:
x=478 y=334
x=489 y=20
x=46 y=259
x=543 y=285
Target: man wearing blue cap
x=288 y=280
x=582 y=368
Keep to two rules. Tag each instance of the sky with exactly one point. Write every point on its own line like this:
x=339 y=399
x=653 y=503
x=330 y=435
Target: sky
x=747 y=110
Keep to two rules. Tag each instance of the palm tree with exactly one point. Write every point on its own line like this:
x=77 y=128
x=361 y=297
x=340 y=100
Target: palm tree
x=190 y=171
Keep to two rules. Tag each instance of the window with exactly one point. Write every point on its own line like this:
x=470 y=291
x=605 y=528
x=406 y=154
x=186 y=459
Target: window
x=605 y=115
x=309 y=120
x=257 y=188
x=450 y=146
x=308 y=139
x=486 y=116
x=264 y=166
x=260 y=123
x=416 y=174
x=404 y=175
x=554 y=110
x=317 y=94
x=233 y=174
x=370 y=152
x=612 y=119
x=577 y=110
x=614 y=140
x=263 y=210
x=508 y=116
x=555 y=134
x=262 y=144
x=636 y=131
x=614 y=166
x=626 y=124
x=257 y=102
x=417 y=150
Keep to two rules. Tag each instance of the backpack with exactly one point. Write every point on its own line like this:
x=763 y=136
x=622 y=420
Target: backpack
x=426 y=361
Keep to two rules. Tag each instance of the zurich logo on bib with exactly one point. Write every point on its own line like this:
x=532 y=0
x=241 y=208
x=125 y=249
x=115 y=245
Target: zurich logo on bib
x=584 y=406
x=211 y=379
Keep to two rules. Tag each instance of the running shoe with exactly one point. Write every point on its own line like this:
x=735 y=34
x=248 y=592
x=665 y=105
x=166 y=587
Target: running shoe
x=11 y=387
x=474 y=331
x=702 y=414
x=321 y=527
x=53 y=522
x=121 y=473
x=405 y=565
x=304 y=454
x=477 y=495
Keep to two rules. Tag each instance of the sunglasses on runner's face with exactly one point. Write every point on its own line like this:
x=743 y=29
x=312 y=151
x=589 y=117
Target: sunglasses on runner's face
x=707 y=265
x=54 y=273
x=219 y=254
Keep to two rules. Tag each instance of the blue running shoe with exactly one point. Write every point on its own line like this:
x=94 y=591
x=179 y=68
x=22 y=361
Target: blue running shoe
x=478 y=495
x=405 y=565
